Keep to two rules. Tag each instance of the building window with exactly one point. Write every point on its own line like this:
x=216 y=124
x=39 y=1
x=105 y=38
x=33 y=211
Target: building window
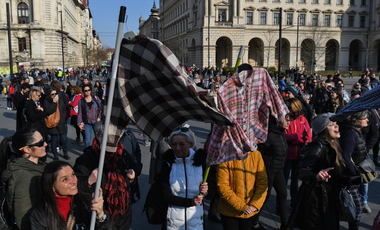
x=327 y=20
x=276 y=19
x=289 y=0
x=340 y=2
x=364 y=2
x=154 y=25
x=276 y=0
x=222 y=15
x=362 y=21
x=302 y=19
x=339 y=20
x=263 y=18
x=21 y=44
x=250 y=18
x=352 y=2
x=302 y=1
x=315 y=1
x=23 y=13
x=327 y=1
x=289 y=19
x=351 y=21
x=315 y=20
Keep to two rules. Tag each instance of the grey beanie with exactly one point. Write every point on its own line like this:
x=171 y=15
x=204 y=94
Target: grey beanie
x=36 y=88
x=184 y=130
x=321 y=122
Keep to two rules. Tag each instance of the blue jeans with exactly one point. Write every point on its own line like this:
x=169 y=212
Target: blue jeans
x=60 y=79
x=54 y=143
x=292 y=165
x=88 y=132
x=363 y=191
x=9 y=102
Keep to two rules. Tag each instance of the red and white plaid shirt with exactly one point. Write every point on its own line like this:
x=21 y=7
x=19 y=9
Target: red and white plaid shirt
x=248 y=97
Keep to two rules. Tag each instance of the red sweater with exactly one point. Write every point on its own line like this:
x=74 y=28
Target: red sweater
x=64 y=205
x=295 y=138
x=75 y=103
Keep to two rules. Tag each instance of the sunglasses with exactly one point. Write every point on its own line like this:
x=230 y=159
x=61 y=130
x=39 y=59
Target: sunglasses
x=41 y=143
x=38 y=95
x=87 y=90
x=53 y=94
x=182 y=129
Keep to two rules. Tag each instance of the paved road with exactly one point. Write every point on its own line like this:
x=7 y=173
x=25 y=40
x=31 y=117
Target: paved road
x=269 y=217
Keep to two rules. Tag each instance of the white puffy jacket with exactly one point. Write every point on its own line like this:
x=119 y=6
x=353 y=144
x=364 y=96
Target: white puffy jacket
x=185 y=175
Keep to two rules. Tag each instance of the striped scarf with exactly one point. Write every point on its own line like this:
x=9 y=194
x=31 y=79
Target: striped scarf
x=117 y=192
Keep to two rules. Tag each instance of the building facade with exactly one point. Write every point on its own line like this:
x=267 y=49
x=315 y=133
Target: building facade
x=36 y=34
x=150 y=27
x=332 y=34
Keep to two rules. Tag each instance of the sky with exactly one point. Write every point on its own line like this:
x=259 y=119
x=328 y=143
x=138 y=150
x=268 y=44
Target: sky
x=105 y=16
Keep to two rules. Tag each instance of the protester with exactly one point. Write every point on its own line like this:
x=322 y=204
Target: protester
x=89 y=113
x=77 y=92
x=335 y=102
x=274 y=151
x=59 y=132
x=181 y=182
x=68 y=90
x=320 y=98
x=118 y=178
x=346 y=97
x=297 y=135
x=354 y=151
x=21 y=170
x=19 y=101
x=321 y=171
x=8 y=96
x=62 y=206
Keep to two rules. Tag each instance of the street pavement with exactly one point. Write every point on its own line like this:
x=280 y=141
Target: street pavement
x=269 y=218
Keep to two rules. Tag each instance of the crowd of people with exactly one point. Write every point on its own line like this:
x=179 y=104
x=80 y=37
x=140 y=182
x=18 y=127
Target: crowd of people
x=309 y=147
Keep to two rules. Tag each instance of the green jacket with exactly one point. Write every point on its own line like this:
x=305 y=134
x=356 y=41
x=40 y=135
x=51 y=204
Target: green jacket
x=22 y=178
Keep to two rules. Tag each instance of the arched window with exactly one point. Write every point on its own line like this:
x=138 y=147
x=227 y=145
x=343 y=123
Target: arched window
x=23 y=13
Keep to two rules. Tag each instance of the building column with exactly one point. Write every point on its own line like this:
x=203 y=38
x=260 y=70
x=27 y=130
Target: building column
x=37 y=11
x=320 y=56
x=344 y=57
x=292 y=56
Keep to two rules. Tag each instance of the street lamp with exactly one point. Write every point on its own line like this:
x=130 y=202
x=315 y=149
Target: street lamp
x=63 y=54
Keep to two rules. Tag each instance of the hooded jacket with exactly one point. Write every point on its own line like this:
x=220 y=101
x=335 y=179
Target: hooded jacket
x=242 y=183
x=22 y=178
x=180 y=184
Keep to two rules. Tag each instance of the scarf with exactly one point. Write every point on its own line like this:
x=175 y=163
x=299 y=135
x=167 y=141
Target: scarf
x=117 y=192
x=64 y=205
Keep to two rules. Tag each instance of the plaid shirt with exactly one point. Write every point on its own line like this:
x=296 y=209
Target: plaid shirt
x=92 y=114
x=248 y=98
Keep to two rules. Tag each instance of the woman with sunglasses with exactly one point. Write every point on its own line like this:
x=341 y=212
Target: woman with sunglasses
x=297 y=135
x=181 y=182
x=21 y=170
x=89 y=113
x=58 y=133
x=357 y=87
x=35 y=113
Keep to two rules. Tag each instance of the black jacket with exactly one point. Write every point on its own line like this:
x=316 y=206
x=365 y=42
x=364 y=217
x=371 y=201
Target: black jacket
x=86 y=163
x=80 y=208
x=331 y=107
x=275 y=149
x=36 y=118
x=51 y=107
x=315 y=206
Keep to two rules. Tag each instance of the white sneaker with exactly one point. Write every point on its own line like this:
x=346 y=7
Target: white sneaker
x=366 y=208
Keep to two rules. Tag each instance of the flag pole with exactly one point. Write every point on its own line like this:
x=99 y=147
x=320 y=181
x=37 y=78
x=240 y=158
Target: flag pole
x=115 y=64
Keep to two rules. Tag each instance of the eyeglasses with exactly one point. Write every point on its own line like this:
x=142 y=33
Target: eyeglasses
x=87 y=90
x=182 y=129
x=363 y=118
x=342 y=86
x=41 y=143
x=53 y=94
x=38 y=95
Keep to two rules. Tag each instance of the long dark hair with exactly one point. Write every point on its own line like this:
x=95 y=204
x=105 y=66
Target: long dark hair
x=10 y=146
x=48 y=203
x=324 y=135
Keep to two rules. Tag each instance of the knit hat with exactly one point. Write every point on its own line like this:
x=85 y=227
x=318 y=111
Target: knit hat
x=292 y=89
x=184 y=130
x=321 y=122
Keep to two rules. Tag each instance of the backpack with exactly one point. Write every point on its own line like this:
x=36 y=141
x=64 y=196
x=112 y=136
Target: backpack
x=12 y=89
x=5 y=215
x=155 y=207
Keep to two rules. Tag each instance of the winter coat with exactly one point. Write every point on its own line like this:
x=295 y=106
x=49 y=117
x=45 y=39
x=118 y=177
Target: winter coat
x=371 y=132
x=316 y=203
x=36 y=118
x=333 y=107
x=242 y=183
x=86 y=163
x=74 y=104
x=319 y=100
x=22 y=178
x=297 y=135
x=62 y=104
x=275 y=149
x=80 y=208
x=180 y=179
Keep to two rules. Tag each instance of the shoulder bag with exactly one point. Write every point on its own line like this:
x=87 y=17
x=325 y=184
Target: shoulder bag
x=367 y=169
x=53 y=119
x=347 y=207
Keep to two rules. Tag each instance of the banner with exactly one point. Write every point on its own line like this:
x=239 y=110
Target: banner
x=6 y=70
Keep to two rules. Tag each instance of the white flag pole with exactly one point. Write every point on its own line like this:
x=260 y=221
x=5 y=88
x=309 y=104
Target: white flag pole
x=115 y=64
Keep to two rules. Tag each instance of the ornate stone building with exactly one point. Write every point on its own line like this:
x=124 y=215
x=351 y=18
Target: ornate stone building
x=36 y=32
x=150 y=27
x=333 y=34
